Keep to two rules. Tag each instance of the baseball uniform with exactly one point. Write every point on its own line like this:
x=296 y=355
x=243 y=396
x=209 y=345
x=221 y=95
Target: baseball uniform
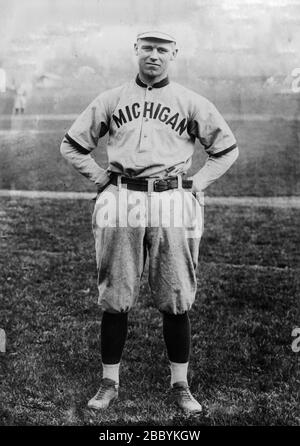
x=145 y=205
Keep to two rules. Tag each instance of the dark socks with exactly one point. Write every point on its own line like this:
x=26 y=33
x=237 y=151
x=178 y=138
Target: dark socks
x=176 y=332
x=113 y=336
x=177 y=336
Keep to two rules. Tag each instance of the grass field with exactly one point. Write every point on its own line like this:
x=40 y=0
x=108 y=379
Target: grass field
x=243 y=369
x=268 y=164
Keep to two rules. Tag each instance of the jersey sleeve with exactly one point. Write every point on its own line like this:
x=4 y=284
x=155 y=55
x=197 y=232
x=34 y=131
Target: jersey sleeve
x=91 y=124
x=211 y=129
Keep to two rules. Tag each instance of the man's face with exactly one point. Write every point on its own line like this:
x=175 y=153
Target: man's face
x=154 y=57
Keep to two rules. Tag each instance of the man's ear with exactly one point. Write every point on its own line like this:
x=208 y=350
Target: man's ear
x=174 y=54
x=136 y=49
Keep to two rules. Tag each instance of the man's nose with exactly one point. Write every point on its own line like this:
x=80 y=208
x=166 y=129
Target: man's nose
x=154 y=54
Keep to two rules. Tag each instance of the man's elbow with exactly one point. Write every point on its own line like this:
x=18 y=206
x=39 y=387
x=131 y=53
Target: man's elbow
x=64 y=148
x=236 y=153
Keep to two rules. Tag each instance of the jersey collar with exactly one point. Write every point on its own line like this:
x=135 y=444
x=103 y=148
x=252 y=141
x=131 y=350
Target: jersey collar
x=159 y=84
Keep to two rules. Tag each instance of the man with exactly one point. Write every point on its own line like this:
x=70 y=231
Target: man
x=152 y=125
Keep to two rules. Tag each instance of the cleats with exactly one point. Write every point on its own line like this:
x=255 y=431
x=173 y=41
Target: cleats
x=180 y=394
x=108 y=391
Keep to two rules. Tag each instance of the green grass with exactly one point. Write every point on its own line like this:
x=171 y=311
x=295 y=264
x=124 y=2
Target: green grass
x=242 y=368
x=268 y=164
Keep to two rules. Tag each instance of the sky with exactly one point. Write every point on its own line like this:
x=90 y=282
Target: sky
x=224 y=37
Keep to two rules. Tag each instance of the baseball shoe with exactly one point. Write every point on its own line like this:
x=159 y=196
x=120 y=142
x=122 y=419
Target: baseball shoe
x=108 y=391
x=180 y=394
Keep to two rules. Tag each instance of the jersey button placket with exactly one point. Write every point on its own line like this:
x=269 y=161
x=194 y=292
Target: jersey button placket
x=145 y=123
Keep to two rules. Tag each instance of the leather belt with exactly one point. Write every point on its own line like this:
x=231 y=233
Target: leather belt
x=151 y=184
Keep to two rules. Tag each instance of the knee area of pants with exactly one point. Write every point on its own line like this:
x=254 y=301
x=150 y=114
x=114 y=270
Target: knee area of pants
x=114 y=307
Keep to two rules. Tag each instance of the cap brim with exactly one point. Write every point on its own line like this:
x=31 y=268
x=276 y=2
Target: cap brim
x=156 y=35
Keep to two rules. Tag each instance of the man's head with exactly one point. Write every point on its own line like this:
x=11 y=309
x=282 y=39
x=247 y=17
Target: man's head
x=155 y=51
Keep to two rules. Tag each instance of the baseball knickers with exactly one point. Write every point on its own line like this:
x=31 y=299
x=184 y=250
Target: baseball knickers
x=128 y=226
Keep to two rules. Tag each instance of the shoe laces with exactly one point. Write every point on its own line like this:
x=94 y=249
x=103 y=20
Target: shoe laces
x=183 y=392
x=105 y=385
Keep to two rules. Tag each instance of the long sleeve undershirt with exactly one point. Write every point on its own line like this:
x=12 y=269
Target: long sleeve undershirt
x=84 y=163
x=213 y=169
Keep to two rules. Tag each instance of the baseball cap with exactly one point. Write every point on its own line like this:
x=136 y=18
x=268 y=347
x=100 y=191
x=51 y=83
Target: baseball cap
x=156 y=35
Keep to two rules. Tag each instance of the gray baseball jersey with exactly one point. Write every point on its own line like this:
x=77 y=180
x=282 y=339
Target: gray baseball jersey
x=152 y=129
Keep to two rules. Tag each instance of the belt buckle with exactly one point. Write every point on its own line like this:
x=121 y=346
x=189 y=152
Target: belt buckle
x=165 y=183
x=162 y=185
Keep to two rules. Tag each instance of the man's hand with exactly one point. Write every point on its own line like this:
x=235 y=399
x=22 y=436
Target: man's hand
x=199 y=194
x=195 y=190
x=101 y=187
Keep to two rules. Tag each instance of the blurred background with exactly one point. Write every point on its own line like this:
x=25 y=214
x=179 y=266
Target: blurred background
x=243 y=55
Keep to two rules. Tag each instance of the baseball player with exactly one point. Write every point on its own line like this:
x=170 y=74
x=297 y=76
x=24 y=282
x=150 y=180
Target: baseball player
x=152 y=125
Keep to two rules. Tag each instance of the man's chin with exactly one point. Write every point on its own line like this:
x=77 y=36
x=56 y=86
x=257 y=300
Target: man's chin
x=152 y=73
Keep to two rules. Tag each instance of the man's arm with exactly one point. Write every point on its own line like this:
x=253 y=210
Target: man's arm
x=82 y=138
x=218 y=140
x=214 y=167
x=81 y=159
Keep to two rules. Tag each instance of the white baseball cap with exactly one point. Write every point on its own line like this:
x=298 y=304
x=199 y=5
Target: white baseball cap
x=156 y=35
